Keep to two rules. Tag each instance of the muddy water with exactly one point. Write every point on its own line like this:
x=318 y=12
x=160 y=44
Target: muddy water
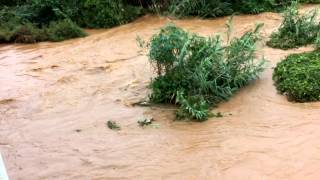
x=55 y=99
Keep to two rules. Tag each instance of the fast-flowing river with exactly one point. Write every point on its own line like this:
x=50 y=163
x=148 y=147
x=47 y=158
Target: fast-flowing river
x=55 y=100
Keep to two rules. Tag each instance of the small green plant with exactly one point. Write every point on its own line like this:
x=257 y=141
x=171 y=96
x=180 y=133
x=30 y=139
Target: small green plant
x=113 y=125
x=298 y=76
x=197 y=72
x=296 y=30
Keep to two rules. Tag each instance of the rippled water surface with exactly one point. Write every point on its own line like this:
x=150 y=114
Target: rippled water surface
x=55 y=100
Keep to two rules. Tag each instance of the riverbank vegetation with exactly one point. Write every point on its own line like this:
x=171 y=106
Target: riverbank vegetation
x=198 y=73
x=28 y=21
x=296 y=30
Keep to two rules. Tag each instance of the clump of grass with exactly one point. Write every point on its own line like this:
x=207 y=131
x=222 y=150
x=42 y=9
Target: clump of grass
x=198 y=73
x=113 y=125
x=296 y=30
x=298 y=76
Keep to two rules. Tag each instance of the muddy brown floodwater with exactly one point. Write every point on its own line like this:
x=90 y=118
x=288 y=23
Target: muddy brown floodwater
x=55 y=100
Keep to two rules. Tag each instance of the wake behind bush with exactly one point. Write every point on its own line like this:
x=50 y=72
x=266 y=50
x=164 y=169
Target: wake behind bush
x=197 y=72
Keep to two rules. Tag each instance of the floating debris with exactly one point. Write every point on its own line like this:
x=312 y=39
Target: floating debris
x=145 y=122
x=113 y=125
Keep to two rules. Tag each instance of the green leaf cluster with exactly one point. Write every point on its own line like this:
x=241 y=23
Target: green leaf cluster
x=298 y=76
x=197 y=73
x=296 y=30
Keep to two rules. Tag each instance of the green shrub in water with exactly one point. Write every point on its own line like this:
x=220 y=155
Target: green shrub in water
x=197 y=72
x=298 y=76
x=296 y=30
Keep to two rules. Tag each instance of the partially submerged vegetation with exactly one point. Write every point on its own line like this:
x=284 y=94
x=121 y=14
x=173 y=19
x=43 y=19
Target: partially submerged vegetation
x=198 y=73
x=113 y=125
x=296 y=30
x=298 y=76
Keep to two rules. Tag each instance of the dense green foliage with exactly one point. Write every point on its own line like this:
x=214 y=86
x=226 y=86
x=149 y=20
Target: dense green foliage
x=106 y=13
x=296 y=30
x=35 y=16
x=197 y=72
x=214 y=8
x=298 y=77
x=63 y=29
x=14 y=28
x=202 y=8
x=55 y=20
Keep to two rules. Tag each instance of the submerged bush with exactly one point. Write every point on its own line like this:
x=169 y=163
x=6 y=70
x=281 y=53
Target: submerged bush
x=197 y=72
x=298 y=76
x=296 y=30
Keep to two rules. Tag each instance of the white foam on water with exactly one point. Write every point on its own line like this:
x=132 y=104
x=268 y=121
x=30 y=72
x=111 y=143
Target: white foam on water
x=3 y=172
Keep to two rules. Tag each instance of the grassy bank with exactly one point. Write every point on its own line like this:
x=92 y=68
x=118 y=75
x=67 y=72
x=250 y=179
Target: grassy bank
x=28 y=21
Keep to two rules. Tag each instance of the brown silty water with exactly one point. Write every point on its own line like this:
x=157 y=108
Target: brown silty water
x=55 y=100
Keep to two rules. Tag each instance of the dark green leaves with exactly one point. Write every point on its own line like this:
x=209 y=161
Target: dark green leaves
x=296 y=30
x=298 y=77
x=197 y=72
